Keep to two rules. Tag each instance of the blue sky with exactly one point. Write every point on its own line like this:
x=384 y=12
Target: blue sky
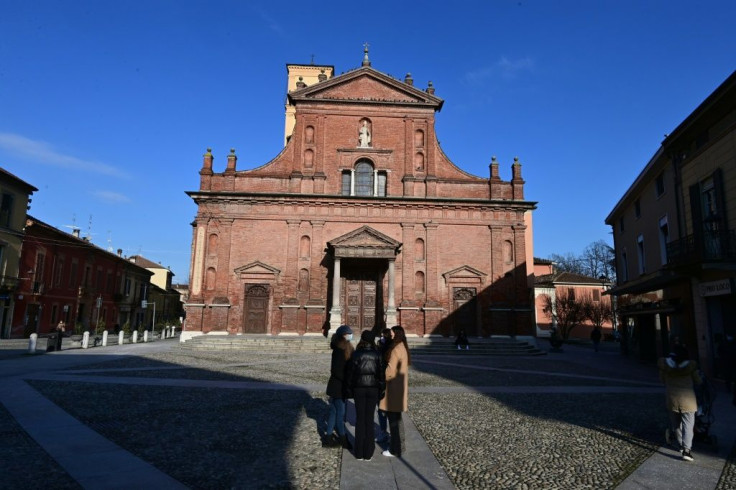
x=107 y=107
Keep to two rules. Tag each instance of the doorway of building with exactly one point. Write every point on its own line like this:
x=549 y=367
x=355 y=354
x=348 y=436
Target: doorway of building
x=256 y=308
x=464 y=310
x=32 y=314
x=362 y=298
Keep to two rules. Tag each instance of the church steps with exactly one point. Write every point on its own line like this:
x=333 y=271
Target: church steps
x=417 y=346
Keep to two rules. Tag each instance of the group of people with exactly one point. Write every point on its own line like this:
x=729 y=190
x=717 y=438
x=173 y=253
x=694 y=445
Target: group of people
x=373 y=375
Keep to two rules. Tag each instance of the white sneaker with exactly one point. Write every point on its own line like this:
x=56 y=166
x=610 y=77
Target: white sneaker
x=388 y=454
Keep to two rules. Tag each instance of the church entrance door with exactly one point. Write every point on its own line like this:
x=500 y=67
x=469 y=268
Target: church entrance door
x=256 y=309
x=362 y=299
x=465 y=307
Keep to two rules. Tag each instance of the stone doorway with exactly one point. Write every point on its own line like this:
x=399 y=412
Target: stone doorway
x=464 y=310
x=256 y=308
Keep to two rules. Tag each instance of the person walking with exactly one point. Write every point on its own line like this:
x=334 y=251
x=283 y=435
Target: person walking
x=595 y=336
x=337 y=388
x=383 y=346
x=367 y=383
x=60 y=329
x=396 y=400
x=678 y=374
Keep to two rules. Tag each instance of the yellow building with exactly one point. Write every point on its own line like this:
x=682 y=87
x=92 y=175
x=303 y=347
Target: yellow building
x=14 y=202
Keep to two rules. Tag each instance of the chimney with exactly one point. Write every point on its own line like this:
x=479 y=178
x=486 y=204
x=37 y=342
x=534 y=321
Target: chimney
x=120 y=252
x=75 y=232
x=207 y=162
x=231 y=159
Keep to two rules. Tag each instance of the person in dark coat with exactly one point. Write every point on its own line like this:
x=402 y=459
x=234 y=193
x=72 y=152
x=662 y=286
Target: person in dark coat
x=60 y=329
x=461 y=341
x=368 y=385
x=595 y=336
x=337 y=388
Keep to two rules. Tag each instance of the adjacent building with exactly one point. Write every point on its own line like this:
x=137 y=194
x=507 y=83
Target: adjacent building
x=163 y=301
x=674 y=235
x=15 y=198
x=360 y=219
x=66 y=278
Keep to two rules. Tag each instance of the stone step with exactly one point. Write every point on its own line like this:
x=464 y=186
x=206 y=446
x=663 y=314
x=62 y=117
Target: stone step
x=419 y=346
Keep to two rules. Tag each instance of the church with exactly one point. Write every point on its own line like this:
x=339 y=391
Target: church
x=361 y=219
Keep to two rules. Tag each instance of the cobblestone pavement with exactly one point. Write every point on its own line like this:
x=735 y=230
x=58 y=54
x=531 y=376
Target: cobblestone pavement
x=209 y=437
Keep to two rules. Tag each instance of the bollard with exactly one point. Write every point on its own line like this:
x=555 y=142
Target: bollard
x=168 y=331
x=145 y=336
x=121 y=338
x=173 y=330
x=85 y=340
x=32 y=343
x=104 y=338
x=135 y=336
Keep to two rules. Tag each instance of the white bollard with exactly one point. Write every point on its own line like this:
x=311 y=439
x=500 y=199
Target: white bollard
x=104 y=338
x=85 y=340
x=32 y=343
x=168 y=331
x=145 y=336
x=121 y=338
x=173 y=330
x=135 y=336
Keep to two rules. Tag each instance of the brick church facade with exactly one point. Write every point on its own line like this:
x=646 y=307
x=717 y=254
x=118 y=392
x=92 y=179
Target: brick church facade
x=360 y=220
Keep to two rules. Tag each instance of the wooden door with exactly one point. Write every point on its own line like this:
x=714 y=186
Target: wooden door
x=464 y=314
x=256 y=309
x=360 y=301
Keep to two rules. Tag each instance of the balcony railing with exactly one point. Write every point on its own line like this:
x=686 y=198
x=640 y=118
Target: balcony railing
x=718 y=246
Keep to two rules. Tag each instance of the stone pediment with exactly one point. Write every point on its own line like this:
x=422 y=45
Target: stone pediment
x=464 y=273
x=257 y=268
x=365 y=242
x=366 y=85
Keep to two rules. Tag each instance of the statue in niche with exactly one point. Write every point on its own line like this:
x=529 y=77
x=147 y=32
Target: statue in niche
x=364 y=135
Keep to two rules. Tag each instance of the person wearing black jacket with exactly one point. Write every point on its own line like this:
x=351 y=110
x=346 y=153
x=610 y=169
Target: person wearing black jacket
x=337 y=388
x=368 y=385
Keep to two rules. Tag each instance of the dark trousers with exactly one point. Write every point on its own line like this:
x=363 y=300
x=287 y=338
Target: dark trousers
x=366 y=400
x=396 y=426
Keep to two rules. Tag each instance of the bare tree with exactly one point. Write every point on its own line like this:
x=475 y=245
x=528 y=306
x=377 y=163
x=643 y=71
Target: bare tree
x=566 y=311
x=568 y=262
x=599 y=260
x=598 y=312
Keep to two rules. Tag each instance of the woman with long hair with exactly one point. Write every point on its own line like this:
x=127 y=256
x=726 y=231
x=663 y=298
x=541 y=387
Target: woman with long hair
x=366 y=382
x=337 y=388
x=396 y=400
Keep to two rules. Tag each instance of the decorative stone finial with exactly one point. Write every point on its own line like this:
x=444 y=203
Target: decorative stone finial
x=232 y=151
x=430 y=88
x=300 y=83
x=493 y=159
x=322 y=76
x=366 y=61
x=516 y=159
x=408 y=79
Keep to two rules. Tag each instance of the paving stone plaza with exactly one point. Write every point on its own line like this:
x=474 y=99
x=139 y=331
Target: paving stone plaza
x=156 y=416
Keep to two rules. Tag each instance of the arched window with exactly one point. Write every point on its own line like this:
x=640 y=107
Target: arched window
x=304 y=247
x=210 y=279
x=419 y=249
x=363 y=179
x=212 y=244
x=419 y=282
x=303 y=281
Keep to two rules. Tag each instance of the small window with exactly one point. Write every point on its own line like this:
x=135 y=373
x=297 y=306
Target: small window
x=6 y=210
x=640 y=251
x=596 y=295
x=659 y=184
x=381 y=184
x=345 y=184
x=637 y=209
x=364 y=179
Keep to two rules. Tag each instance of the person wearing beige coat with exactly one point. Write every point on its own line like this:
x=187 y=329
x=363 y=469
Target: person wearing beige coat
x=396 y=400
x=679 y=374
